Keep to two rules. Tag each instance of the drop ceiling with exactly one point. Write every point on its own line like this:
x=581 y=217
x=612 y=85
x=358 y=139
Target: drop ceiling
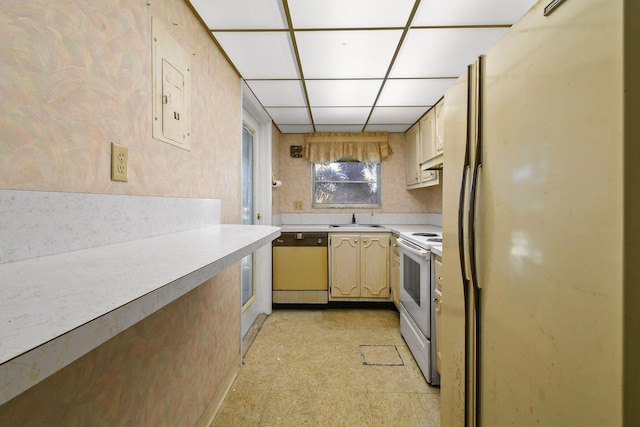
x=353 y=65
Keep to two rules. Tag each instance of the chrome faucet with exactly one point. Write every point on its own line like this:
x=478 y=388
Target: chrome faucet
x=353 y=218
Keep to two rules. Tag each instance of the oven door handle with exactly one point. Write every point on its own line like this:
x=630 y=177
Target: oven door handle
x=410 y=247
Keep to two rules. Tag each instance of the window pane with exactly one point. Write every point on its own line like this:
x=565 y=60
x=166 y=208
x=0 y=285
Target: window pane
x=346 y=183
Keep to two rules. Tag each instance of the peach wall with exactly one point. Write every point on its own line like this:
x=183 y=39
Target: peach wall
x=76 y=76
x=296 y=182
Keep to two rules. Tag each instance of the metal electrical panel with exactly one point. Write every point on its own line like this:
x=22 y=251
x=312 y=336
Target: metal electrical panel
x=173 y=106
x=171 y=89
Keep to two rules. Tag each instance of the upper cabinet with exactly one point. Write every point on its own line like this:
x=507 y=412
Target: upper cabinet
x=439 y=131
x=412 y=151
x=425 y=149
x=427 y=135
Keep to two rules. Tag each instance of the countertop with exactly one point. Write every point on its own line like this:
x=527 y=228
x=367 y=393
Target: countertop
x=56 y=308
x=404 y=230
x=437 y=250
x=362 y=228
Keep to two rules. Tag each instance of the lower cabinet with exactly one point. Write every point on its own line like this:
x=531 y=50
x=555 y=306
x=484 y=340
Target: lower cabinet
x=359 y=266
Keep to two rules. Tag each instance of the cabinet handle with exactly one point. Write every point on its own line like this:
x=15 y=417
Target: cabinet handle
x=364 y=240
x=356 y=240
x=439 y=277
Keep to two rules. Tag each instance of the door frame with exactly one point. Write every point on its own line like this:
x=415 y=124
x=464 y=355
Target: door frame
x=262 y=204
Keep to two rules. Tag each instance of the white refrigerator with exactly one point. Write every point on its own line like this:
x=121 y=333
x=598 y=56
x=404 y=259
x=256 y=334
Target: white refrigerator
x=544 y=217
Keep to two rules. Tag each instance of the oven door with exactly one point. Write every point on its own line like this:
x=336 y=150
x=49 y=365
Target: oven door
x=415 y=289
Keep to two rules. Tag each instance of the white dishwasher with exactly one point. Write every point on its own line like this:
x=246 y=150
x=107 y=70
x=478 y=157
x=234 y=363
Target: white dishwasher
x=300 y=268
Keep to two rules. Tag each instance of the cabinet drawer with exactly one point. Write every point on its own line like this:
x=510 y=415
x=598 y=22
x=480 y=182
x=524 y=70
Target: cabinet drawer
x=429 y=176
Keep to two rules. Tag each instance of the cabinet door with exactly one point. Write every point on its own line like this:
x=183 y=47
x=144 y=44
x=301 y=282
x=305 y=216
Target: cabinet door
x=412 y=155
x=427 y=136
x=374 y=267
x=345 y=266
x=439 y=139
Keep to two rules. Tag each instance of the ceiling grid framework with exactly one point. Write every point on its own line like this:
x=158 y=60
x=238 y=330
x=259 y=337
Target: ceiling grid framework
x=353 y=65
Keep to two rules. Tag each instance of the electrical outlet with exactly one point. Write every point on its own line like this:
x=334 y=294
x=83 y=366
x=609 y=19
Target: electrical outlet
x=119 y=159
x=297 y=205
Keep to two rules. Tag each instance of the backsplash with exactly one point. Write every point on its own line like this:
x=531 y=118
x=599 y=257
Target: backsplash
x=41 y=223
x=361 y=218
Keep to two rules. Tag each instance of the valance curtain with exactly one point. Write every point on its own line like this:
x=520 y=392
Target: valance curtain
x=322 y=147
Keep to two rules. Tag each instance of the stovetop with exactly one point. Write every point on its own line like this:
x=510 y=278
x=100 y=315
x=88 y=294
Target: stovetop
x=424 y=240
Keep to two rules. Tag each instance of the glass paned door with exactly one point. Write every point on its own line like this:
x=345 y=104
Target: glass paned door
x=247 y=263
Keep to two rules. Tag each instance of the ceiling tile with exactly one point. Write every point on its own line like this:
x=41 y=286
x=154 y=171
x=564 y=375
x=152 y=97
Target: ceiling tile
x=410 y=92
x=350 y=14
x=346 y=93
x=388 y=128
x=396 y=115
x=295 y=128
x=339 y=128
x=225 y=14
x=278 y=93
x=442 y=52
x=345 y=48
x=346 y=54
x=260 y=55
x=290 y=116
x=340 y=115
x=470 y=12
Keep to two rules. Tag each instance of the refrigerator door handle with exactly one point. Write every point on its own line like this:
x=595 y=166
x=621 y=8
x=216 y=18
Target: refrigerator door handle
x=474 y=180
x=462 y=247
x=463 y=186
x=461 y=236
x=472 y=228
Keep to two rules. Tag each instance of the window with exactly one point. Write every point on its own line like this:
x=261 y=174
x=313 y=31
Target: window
x=346 y=184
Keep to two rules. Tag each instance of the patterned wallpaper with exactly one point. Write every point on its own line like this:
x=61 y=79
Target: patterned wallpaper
x=296 y=182
x=75 y=76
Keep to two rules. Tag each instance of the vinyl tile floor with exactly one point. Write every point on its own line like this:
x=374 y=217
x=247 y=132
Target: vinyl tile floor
x=330 y=367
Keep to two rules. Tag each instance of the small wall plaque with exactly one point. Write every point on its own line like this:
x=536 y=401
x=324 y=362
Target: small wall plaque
x=295 y=151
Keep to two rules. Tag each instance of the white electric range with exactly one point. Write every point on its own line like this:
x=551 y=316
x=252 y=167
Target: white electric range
x=417 y=292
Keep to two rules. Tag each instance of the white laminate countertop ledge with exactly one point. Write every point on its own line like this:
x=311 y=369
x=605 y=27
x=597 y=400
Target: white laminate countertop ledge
x=56 y=308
